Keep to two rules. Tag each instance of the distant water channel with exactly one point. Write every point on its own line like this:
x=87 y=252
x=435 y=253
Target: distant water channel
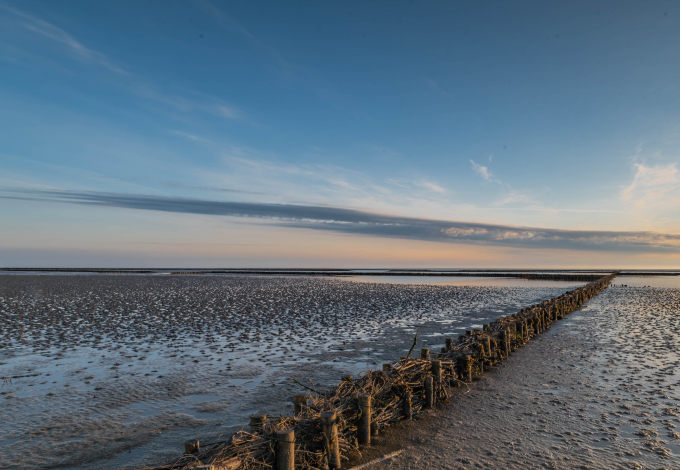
x=119 y=370
x=467 y=281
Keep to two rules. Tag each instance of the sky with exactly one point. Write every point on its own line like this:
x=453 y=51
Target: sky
x=340 y=134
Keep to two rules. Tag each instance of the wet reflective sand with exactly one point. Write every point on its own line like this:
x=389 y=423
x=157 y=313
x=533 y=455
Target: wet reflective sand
x=599 y=390
x=121 y=370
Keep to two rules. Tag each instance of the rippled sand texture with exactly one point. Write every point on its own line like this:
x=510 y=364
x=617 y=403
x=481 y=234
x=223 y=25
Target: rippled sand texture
x=599 y=390
x=123 y=369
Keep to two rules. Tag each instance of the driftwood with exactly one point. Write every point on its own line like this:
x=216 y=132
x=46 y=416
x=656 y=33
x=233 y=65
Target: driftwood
x=397 y=392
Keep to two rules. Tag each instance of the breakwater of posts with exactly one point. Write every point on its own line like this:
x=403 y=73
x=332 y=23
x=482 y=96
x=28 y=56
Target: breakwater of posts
x=328 y=426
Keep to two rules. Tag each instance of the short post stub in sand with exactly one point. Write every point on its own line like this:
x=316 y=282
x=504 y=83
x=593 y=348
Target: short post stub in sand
x=192 y=446
x=364 y=428
x=424 y=353
x=330 y=431
x=285 y=451
x=256 y=421
x=449 y=344
x=298 y=401
x=429 y=392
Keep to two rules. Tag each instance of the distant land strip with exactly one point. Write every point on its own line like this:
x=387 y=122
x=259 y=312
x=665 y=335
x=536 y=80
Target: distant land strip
x=538 y=274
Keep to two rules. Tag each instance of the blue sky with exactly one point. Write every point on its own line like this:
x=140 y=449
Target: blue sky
x=554 y=123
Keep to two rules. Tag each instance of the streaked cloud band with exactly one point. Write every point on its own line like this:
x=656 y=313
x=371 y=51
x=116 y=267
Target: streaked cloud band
x=358 y=222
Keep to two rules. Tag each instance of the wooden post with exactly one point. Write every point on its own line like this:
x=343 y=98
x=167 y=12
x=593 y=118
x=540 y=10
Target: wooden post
x=285 y=455
x=406 y=405
x=192 y=446
x=429 y=392
x=424 y=353
x=364 y=428
x=462 y=368
x=298 y=401
x=486 y=341
x=330 y=431
x=436 y=370
x=519 y=326
x=387 y=366
x=449 y=344
x=256 y=421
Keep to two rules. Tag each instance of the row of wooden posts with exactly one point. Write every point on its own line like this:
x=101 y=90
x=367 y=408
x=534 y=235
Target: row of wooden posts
x=495 y=342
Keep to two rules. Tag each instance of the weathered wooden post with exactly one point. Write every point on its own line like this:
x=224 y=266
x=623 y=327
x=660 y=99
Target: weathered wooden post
x=481 y=356
x=285 y=452
x=486 y=341
x=364 y=427
x=407 y=405
x=192 y=446
x=465 y=365
x=256 y=421
x=449 y=344
x=387 y=366
x=298 y=402
x=429 y=392
x=436 y=370
x=424 y=353
x=330 y=431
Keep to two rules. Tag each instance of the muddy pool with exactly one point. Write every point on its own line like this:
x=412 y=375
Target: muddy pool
x=111 y=371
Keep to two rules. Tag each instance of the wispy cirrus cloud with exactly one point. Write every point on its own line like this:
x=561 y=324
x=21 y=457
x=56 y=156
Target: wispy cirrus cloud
x=652 y=185
x=434 y=187
x=482 y=171
x=350 y=221
x=60 y=37
x=184 y=101
x=434 y=86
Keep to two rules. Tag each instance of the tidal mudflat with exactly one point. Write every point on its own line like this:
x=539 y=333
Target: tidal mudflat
x=599 y=390
x=113 y=371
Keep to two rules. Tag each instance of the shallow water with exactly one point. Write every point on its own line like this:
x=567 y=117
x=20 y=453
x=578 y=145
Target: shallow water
x=672 y=282
x=121 y=370
x=468 y=281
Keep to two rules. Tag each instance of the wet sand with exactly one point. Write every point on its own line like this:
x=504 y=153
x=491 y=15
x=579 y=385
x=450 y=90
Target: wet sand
x=600 y=390
x=121 y=370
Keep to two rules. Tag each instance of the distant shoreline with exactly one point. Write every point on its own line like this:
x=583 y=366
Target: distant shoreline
x=544 y=274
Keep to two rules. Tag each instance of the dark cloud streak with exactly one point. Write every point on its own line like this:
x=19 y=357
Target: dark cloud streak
x=352 y=221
